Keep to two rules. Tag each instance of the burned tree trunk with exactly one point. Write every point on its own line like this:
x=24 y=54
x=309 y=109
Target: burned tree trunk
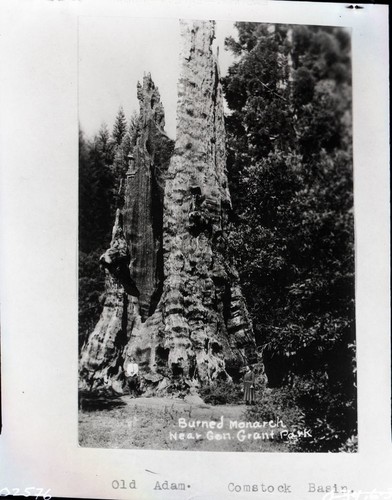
x=134 y=261
x=170 y=276
x=206 y=326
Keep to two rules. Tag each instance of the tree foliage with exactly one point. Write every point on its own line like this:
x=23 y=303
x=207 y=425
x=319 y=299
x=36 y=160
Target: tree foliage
x=119 y=127
x=102 y=161
x=290 y=173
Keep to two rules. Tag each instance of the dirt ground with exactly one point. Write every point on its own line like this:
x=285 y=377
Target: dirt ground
x=154 y=423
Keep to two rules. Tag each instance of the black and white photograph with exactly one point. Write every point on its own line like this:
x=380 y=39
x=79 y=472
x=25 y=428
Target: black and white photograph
x=195 y=250
x=216 y=236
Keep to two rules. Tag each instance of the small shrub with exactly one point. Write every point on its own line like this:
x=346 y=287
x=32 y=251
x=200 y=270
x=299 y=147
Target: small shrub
x=221 y=393
x=277 y=403
x=330 y=414
x=350 y=446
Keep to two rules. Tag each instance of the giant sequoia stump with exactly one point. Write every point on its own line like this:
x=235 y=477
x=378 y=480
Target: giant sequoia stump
x=173 y=297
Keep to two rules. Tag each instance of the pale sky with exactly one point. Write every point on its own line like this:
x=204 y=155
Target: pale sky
x=115 y=52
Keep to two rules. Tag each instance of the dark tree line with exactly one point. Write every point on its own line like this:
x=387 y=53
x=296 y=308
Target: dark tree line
x=290 y=171
x=100 y=162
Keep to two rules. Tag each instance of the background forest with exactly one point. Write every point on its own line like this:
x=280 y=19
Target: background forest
x=289 y=149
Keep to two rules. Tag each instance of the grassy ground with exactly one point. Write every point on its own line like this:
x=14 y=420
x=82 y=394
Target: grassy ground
x=153 y=423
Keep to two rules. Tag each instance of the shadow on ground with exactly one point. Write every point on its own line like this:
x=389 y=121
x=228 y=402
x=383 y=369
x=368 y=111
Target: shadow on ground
x=92 y=401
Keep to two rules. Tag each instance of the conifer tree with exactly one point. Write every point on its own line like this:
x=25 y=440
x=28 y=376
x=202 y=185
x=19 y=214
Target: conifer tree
x=105 y=145
x=290 y=167
x=120 y=127
x=96 y=214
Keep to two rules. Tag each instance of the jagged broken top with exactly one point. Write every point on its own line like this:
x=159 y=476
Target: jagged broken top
x=149 y=98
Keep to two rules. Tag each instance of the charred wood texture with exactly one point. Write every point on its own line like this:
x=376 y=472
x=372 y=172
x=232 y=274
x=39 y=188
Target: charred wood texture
x=173 y=298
